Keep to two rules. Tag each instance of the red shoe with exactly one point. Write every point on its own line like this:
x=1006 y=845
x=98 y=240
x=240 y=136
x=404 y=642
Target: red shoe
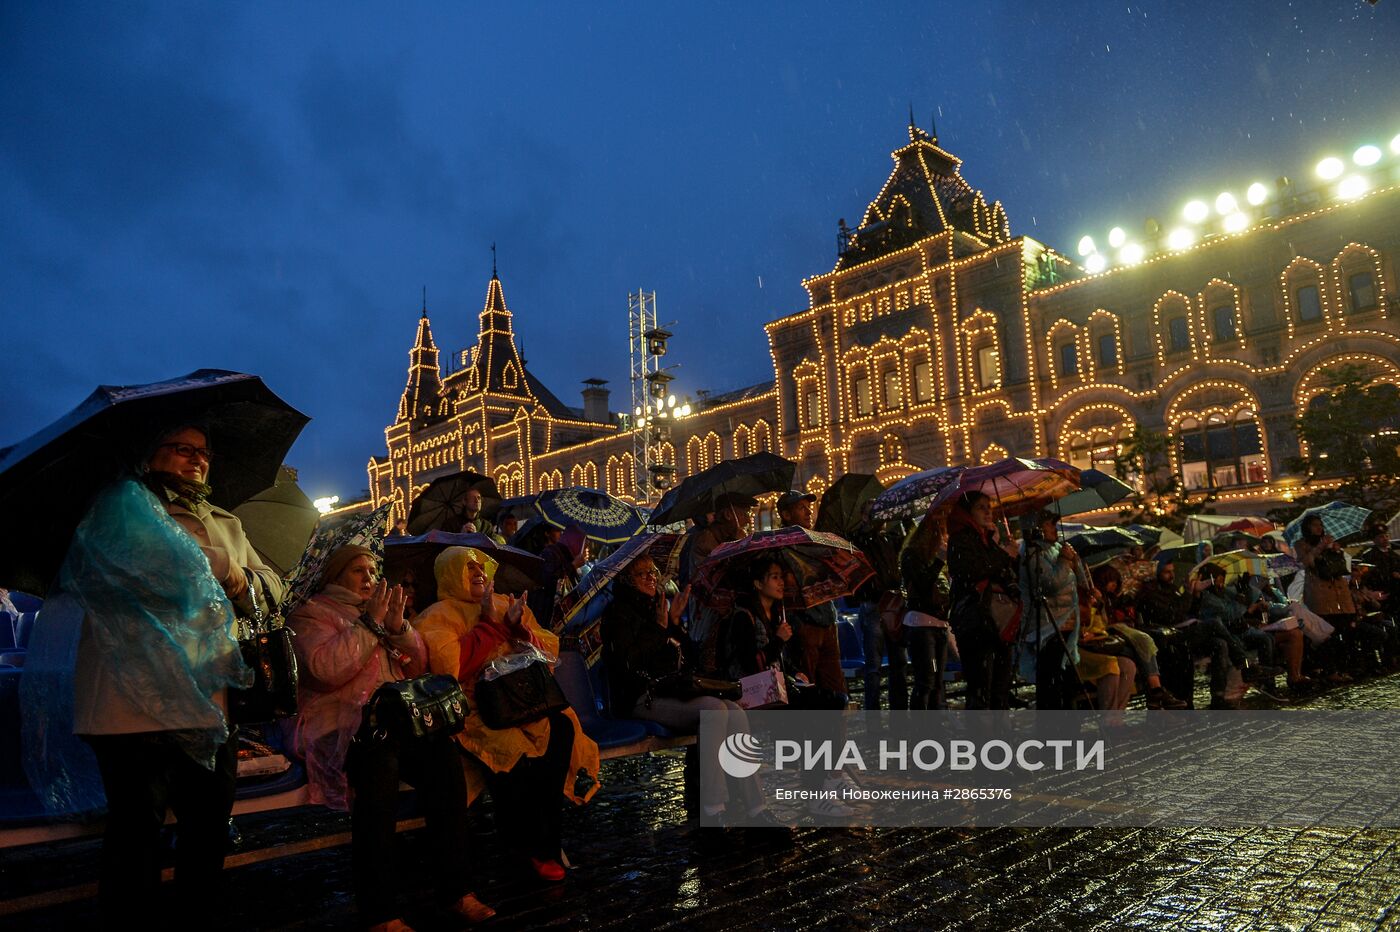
x=550 y=871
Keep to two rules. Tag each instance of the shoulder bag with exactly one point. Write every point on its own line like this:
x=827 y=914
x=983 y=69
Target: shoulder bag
x=518 y=689
x=414 y=709
x=267 y=650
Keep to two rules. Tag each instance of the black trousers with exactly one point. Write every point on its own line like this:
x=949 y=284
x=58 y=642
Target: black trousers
x=529 y=811
x=928 y=652
x=434 y=768
x=146 y=775
x=1055 y=680
x=986 y=662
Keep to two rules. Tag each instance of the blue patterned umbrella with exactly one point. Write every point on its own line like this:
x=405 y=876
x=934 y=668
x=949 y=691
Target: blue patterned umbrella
x=366 y=530
x=1338 y=519
x=581 y=610
x=910 y=496
x=603 y=518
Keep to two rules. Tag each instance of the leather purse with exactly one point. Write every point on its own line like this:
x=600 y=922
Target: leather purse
x=410 y=710
x=268 y=652
x=524 y=695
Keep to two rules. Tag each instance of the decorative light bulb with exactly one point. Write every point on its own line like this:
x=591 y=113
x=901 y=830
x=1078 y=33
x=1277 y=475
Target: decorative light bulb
x=1366 y=155
x=1330 y=167
x=1195 y=211
x=1086 y=245
x=1180 y=238
x=1116 y=237
x=1225 y=204
x=1257 y=194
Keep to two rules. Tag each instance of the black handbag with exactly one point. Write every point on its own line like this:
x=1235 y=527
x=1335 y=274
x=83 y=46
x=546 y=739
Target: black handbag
x=684 y=686
x=410 y=710
x=268 y=652
x=519 y=697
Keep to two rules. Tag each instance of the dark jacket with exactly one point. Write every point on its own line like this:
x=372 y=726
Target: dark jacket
x=750 y=641
x=636 y=650
x=974 y=558
x=1162 y=606
x=924 y=589
x=1385 y=577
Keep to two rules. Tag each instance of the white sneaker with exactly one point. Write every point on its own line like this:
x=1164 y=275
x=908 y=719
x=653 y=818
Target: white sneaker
x=829 y=809
x=842 y=781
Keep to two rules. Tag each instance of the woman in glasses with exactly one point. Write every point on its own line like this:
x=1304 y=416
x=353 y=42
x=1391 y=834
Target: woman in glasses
x=642 y=639
x=155 y=657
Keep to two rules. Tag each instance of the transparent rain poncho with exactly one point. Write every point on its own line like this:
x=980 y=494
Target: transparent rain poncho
x=156 y=615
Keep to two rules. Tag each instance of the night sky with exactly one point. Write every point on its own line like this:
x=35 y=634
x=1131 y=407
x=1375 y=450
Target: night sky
x=249 y=187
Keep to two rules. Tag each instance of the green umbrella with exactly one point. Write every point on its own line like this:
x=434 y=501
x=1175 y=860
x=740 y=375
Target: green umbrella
x=279 y=521
x=841 y=504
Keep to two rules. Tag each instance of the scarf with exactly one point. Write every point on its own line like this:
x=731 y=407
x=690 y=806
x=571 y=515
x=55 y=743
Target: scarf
x=187 y=493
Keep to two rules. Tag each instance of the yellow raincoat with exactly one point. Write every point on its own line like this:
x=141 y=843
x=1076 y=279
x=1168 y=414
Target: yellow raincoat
x=460 y=644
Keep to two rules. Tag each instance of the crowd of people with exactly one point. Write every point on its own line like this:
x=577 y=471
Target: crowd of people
x=956 y=585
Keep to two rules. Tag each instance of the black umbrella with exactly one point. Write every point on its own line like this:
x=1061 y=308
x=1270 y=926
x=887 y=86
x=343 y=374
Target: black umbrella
x=516 y=572
x=697 y=494
x=839 y=511
x=48 y=480
x=439 y=507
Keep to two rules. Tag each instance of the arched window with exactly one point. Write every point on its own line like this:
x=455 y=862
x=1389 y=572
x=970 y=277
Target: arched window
x=1221 y=450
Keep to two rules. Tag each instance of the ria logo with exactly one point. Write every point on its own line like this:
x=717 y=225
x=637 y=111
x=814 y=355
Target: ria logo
x=740 y=755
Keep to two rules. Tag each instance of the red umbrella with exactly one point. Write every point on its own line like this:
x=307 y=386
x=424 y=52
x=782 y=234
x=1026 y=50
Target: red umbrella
x=825 y=566
x=1016 y=486
x=1249 y=525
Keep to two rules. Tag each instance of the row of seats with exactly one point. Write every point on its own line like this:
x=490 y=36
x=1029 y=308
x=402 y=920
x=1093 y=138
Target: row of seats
x=14 y=637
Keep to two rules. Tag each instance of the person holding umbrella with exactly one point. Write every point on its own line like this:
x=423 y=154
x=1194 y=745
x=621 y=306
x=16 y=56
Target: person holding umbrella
x=819 y=647
x=153 y=666
x=1326 y=592
x=733 y=512
x=980 y=561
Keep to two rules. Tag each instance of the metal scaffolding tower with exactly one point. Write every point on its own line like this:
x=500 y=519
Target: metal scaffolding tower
x=647 y=344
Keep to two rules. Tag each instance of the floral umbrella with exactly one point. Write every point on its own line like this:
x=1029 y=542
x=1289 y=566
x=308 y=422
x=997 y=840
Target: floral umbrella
x=365 y=530
x=1016 y=486
x=826 y=567
x=911 y=496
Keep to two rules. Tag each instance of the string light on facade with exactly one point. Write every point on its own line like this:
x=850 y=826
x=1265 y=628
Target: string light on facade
x=1330 y=168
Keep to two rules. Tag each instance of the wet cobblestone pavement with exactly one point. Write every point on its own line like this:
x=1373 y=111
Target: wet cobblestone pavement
x=638 y=866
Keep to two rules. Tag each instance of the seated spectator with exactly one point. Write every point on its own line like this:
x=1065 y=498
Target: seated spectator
x=1112 y=677
x=1269 y=605
x=1161 y=604
x=560 y=575
x=1327 y=593
x=1232 y=608
x=351 y=636
x=526 y=767
x=1121 y=615
x=642 y=640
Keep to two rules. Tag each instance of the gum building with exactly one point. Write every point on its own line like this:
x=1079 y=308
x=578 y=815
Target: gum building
x=940 y=337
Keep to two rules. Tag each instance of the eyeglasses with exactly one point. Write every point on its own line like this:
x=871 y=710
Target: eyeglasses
x=189 y=451
x=646 y=574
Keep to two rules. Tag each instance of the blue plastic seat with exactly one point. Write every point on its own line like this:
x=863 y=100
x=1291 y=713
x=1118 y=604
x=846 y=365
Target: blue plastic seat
x=7 y=630
x=572 y=675
x=852 y=651
x=23 y=628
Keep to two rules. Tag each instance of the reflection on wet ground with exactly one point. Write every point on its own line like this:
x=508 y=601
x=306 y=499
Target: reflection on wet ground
x=638 y=866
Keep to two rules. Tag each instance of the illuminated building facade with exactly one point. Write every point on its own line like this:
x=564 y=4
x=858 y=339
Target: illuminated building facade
x=939 y=337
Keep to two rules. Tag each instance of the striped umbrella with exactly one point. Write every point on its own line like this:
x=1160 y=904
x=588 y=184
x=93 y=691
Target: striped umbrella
x=1338 y=519
x=1236 y=563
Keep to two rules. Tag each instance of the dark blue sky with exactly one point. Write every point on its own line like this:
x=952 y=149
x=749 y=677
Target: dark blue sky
x=266 y=189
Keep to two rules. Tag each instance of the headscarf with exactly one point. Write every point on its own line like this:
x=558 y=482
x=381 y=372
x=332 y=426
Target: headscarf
x=338 y=561
x=450 y=569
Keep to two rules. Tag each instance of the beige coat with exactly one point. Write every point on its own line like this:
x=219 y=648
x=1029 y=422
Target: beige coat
x=99 y=707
